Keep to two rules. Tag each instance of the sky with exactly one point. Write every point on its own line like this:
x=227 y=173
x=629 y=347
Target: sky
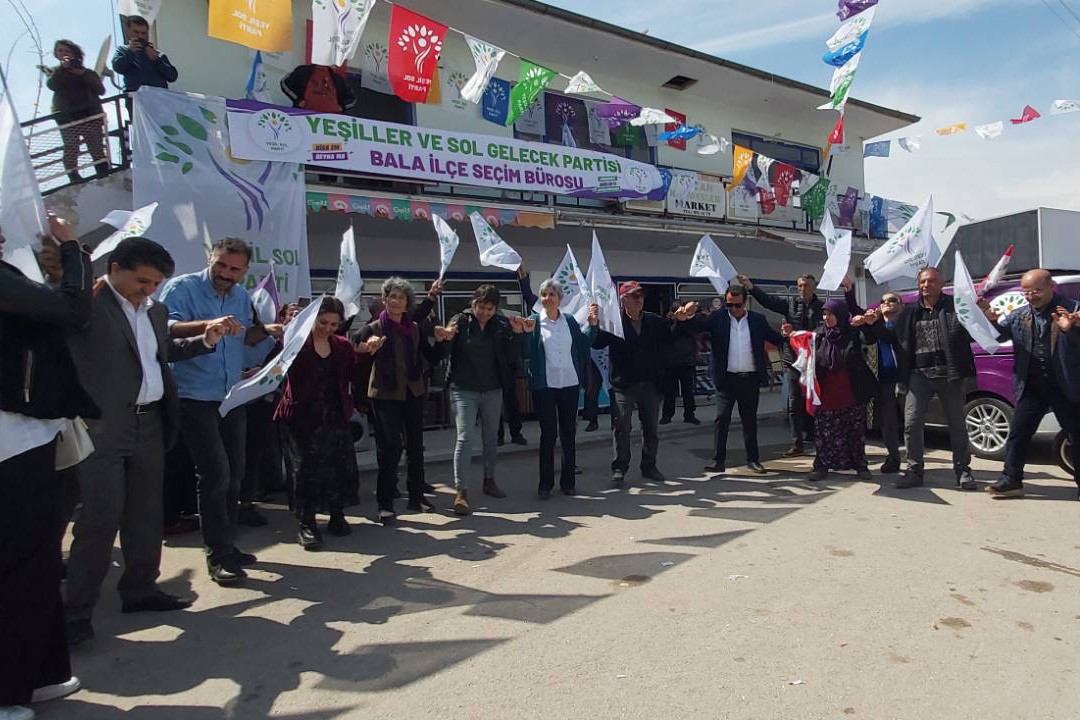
x=948 y=61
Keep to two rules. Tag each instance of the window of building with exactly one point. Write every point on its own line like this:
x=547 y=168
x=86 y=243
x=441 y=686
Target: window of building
x=803 y=157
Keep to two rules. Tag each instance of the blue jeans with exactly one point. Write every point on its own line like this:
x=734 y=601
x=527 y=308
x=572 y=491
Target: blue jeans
x=466 y=404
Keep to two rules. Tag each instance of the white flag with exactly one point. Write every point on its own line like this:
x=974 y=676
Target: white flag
x=582 y=83
x=575 y=298
x=838 y=247
x=264 y=297
x=22 y=212
x=349 y=282
x=257 y=87
x=336 y=28
x=852 y=28
x=909 y=144
x=101 y=65
x=146 y=9
x=131 y=224
x=708 y=144
x=652 y=116
x=273 y=374
x=448 y=244
x=1060 y=107
x=971 y=316
x=709 y=262
x=908 y=251
x=990 y=130
x=487 y=57
x=603 y=292
x=494 y=251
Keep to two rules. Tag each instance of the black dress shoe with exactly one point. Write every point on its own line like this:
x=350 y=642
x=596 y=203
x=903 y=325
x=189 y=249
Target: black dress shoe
x=757 y=467
x=244 y=559
x=966 y=480
x=569 y=491
x=338 y=526
x=250 y=516
x=227 y=572
x=715 y=468
x=543 y=494
x=429 y=489
x=665 y=421
x=692 y=420
x=158 y=602
x=655 y=475
x=78 y=632
x=890 y=466
x=309 y=538
x=519 y=439
x=421 y=505
x=592 y=426
x=908 y=480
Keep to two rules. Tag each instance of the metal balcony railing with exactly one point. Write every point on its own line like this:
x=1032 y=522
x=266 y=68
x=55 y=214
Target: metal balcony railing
x=62 y=154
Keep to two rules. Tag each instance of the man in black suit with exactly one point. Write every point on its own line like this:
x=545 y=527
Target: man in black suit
x=740 y=367
x=1046 y=373
x=122 y=357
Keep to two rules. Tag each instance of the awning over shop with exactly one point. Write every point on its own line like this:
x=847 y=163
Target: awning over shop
x=407 y=209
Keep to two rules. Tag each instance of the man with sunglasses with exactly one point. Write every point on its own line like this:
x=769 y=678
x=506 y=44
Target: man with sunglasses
x=802 y=312
x=740 y=368
x=1046 y=373
x=883 y=362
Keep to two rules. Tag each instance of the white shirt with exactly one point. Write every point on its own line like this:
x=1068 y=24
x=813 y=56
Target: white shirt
x=558 y=352
x=740 y=356
x=19 y=433
x=153 y=386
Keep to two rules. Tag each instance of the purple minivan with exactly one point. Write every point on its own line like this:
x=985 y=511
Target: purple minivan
x=990 y=398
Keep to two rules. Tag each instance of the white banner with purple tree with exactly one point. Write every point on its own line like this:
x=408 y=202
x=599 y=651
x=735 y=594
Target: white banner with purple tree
x=181 y=159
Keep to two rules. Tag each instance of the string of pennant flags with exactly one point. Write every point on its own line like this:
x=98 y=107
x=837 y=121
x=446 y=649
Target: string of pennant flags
x=987 y=131
x=415 y=42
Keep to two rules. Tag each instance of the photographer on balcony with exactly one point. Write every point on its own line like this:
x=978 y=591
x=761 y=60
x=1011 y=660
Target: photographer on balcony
x=76 y=101
x=140 y=63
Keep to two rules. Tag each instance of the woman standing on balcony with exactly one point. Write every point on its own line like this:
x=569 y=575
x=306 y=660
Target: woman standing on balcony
x=397 y=390
x=77 y=103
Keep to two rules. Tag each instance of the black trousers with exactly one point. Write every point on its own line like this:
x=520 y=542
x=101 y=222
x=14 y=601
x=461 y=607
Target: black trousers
x=262 y=469
x=180 y=497
x=511 y=412
x=742 y=389
x=679 y=377
x=33 y=637
x=802 y=423
x=1041 y=394
x=593 y=382
x=557 y=411
x=217 y=447
x=391 y=420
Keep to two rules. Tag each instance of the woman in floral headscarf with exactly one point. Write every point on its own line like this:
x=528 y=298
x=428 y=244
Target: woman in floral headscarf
x=847 y=384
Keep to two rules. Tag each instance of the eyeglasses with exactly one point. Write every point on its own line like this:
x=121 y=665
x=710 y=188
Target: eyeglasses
x=735 y=305
x=1028 y=293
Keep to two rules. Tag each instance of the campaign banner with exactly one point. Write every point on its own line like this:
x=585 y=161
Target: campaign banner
x=265 y=132
x=181 y=161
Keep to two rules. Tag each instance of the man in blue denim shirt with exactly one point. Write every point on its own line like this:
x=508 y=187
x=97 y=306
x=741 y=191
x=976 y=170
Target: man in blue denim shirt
x=197 y=301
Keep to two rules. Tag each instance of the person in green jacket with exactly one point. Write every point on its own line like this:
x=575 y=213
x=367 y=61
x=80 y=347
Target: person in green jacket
x=556 y=350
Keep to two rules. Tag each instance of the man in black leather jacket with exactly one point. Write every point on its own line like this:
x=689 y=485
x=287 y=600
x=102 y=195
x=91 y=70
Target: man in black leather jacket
x=39 y=387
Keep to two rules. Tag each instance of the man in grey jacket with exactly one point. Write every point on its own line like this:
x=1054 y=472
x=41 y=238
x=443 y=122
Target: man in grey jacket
x=122 y=358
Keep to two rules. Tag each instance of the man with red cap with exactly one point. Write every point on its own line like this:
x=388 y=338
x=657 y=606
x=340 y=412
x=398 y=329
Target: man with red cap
x=636 y=376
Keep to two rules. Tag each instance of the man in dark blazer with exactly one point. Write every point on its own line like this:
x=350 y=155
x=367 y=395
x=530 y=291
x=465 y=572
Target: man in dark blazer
x=122 y=358
x=740 y=368
x=1046 y=373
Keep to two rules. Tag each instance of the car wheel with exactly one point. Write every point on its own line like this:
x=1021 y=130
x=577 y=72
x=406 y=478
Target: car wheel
x=987 y=422
x=1063 y=452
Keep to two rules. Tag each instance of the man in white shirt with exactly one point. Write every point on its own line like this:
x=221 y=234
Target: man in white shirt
x=122 y=357
x=740 y=367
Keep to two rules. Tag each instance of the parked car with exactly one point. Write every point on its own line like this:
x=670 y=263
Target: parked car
x=989 y=407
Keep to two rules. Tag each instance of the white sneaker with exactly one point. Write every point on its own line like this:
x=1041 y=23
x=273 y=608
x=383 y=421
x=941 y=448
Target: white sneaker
x=53 y=692
x=16 y=712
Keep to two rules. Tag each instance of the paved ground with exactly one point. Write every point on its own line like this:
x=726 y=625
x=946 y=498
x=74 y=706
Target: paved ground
x=734 y=597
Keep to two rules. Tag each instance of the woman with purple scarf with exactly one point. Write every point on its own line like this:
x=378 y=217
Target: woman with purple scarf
x=397 y=391
x=847 y=384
